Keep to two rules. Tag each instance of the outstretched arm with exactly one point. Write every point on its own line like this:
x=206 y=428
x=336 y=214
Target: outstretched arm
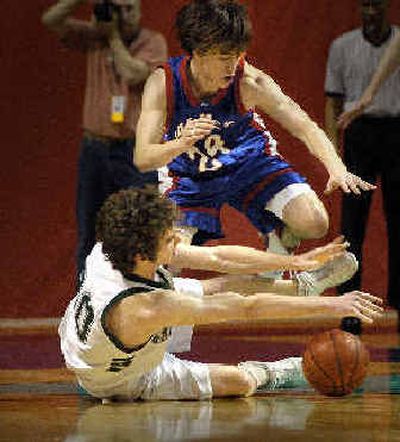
x=259 y=90
x=135 y=318
x=389 y=62
x=240 y=259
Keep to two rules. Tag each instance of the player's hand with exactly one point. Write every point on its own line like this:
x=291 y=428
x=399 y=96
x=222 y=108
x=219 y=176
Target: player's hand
x=348 y=183
x=347 y=117
x=196 y=129
x=359 y=304
x=316 y=258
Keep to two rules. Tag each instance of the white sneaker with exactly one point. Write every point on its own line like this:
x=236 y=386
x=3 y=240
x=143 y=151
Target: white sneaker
x=332 y=274
x=286 y=373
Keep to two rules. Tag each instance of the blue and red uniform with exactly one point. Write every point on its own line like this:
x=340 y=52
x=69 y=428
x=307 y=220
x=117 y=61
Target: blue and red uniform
x=237 y=164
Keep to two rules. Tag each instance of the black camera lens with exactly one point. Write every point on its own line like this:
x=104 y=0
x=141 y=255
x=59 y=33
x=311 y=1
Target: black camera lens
x=103 y=11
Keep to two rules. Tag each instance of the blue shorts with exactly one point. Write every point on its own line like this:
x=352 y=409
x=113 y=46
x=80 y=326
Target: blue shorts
x=248 y=189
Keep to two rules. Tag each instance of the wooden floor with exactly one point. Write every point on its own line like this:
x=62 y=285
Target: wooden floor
x=39 y=400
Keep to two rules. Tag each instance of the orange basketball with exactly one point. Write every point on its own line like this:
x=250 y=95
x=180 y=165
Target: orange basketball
x=335 y=362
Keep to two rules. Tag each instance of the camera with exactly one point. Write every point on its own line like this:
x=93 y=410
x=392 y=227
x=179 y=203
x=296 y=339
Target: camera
x=103 y=11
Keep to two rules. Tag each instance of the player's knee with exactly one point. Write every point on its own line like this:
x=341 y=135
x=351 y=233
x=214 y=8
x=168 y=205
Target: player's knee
x=320 y=226
x=315 y=226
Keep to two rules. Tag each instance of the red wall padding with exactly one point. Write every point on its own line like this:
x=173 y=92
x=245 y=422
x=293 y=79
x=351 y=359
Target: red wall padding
x=41 y=98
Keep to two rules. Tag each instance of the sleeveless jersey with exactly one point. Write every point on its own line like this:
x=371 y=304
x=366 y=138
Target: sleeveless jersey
x=100 y=361
x=240 y=133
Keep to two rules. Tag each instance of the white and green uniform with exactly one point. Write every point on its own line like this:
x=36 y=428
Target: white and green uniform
x=102 y=364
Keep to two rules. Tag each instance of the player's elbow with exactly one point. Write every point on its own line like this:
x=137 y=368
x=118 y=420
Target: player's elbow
x=141 y=163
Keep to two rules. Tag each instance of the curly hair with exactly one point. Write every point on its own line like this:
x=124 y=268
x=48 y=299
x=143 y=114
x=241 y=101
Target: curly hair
x=208 y=24
x=130 y=223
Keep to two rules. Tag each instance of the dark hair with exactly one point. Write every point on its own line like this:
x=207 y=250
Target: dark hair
x=130 y=223
x=209 y=24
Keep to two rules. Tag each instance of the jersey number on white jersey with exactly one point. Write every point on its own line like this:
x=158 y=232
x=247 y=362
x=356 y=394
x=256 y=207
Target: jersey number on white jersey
x=84 y=316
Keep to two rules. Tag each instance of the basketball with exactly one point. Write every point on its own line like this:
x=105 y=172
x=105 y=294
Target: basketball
x=335 y=362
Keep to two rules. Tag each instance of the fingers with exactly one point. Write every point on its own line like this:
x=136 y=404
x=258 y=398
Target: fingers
x=322 y=254
x=367 y=296
x=335 y=183
x=339 y=240
x=351 y=183
x=368 y=306
x=199 y=128
x=347 y=117
x=345 y=186
x=332 y=247
x=365 y=306
x=364 y=185
x=202 y=123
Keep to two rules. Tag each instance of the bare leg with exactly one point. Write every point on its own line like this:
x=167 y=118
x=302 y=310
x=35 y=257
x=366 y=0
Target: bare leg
x=228 y=380
x=251 y=376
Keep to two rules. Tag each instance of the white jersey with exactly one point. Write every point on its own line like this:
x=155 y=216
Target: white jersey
x=101 y=362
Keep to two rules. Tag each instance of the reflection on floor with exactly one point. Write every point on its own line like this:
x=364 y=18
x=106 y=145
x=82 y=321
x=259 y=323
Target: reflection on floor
x=39 y=400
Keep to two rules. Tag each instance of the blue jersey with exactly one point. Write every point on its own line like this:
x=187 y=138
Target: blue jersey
x=240 y=133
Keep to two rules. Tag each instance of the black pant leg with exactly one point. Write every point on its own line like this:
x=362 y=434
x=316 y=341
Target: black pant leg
x=123 y=174
x=391 y=203
x=358 y=157
x=91 y=192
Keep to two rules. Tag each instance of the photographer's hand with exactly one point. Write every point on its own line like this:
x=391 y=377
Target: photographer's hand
x=131 y=69
x=56 y=16
x=110 y=28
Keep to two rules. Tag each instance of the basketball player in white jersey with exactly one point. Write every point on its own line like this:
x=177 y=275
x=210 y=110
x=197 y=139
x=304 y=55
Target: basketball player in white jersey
x=115 y=332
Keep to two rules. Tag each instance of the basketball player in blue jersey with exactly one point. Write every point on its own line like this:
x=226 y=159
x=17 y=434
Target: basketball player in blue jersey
x=199 y=118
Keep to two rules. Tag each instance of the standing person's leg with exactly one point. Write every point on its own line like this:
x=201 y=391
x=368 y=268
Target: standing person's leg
x=122 y=173
x=104 y=168
x=391 y=204
x=359 y=157
x=90 y=196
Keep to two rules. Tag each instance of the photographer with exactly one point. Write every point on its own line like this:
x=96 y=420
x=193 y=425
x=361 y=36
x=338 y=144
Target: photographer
x=120 y=57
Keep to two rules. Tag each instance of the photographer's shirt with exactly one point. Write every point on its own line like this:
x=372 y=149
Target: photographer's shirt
x=103 y=82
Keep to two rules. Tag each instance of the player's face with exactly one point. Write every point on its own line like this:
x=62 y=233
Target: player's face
x=214 y=69
x=166 y=247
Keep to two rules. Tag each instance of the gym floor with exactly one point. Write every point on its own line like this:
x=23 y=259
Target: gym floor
x=39 y=400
